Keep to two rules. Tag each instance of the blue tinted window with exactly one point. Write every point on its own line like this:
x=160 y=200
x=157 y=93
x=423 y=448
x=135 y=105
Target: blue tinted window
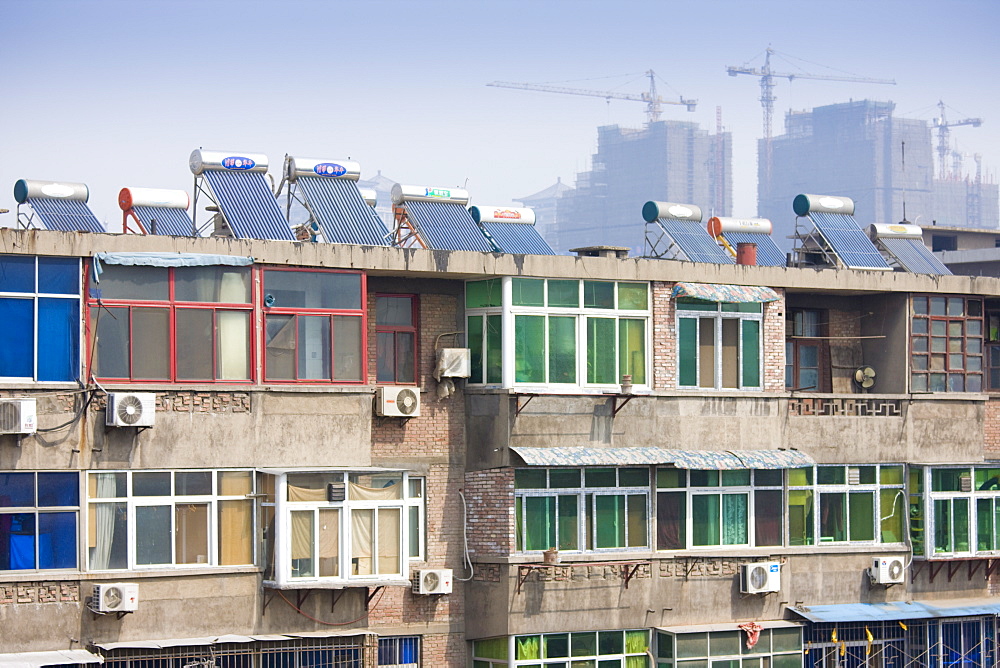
x=58 y=489
x=57 y=540
x=17 y=536
x=17 y=490
x=59 y=337
x=17 y=273
x=17 y=344
x=59 y=275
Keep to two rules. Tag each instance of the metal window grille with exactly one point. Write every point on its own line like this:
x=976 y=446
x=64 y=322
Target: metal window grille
x=399 y=652
x=333 y=652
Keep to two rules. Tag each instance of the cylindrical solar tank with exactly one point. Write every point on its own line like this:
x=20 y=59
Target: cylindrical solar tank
x=158 y=197
x=25 y=189
x=653 y=210
x=237 y=162
x=804 y=204
x=502 y=214
x=717 y=225
x=343 y=169
x=897 y=231
x=402 y=193
x=369 y=196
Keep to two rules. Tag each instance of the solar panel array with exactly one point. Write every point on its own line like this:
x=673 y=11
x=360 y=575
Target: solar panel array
x=169 y=220
x=847 y=240
x=248 y=204
x=914 y=256
x=768 y=253
x=65 y=215
x=447 y=226
x=519 y=238
x=694 y=241
x=342 y=213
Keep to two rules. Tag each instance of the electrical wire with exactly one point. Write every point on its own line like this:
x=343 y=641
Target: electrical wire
x=467 y=563
x=320 y=621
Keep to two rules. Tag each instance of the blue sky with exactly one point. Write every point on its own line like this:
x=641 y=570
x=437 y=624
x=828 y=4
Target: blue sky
x=117 y=94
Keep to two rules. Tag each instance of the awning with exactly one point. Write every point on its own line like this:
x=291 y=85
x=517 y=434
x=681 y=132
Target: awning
x=729 y=294
x=730 y=626
x=219 y=640
x=172 y=259
x=876 y=612
x=684 y=459
x=53 y=658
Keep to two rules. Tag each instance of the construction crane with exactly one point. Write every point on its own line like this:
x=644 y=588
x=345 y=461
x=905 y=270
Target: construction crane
x=652 y=99
x=767 y=97
x=944 y=141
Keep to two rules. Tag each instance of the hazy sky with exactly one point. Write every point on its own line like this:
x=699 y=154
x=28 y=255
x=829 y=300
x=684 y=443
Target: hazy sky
x=118 y=93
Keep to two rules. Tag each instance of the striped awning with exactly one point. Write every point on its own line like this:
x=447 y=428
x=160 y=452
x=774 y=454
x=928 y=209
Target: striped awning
x=876 y=612
x=220 y=640
x=728 y=294
x=683 y=459
x=53 y=658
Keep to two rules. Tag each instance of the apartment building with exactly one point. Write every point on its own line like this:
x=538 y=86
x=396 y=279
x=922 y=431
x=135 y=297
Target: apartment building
x=651 y=463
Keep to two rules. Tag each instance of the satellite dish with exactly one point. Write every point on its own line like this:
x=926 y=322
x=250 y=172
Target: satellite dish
x=865 y=377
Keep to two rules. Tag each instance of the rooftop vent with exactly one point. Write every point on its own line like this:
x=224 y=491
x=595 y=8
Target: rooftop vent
x=620 y=252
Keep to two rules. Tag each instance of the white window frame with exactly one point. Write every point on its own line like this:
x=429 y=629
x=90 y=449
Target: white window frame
x=718 y=315
x=973 y=497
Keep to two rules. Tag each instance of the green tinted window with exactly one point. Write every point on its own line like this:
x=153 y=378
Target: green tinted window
x=479 y=294
x=598 y=294
x=528 y=291
x=529 y=479
x=475 y=343
x=601 y=350
x=671 y=478
x=529 y=348
x=564 y=294
x=751 y=353
x=494 y=331
x=633 y=296
x=687 y=354
x=688 y=304
x=632 y=349
x=562 y=349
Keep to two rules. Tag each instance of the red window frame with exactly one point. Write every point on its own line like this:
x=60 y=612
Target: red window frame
x=268 y=310
x=171 y=305
x=396 y=330
x=947 y=347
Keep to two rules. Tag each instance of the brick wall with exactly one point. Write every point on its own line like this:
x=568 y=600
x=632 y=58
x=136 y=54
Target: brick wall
x=490 y=495
x=443 y=650
x=773 y=340
x=845 y=353
x=991 y=429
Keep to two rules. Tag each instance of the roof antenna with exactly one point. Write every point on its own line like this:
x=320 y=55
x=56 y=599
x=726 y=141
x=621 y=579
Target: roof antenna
x=902 y=150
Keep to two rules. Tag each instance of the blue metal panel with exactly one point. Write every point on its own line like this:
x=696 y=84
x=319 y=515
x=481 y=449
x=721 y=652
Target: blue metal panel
x=248 y=204
x=848 y=241
x=70 y=215
x=445 y=226
x=877 y=612
x=695 y=241
x=343 y=215
x=170 y=221
x=768 y=253
x=914 y=256
x=518 y=238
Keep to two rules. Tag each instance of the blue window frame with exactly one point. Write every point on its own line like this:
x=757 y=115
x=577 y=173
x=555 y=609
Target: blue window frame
x=40 y=311
x=38 y=520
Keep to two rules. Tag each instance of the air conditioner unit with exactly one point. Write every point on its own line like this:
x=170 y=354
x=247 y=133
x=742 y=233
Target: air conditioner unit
x=18 y=416
x=398 y=401
x=453 y=363
x=131 y=409
x=760 y=578
x=115 y=597
x=433 y=581
x=887 y=570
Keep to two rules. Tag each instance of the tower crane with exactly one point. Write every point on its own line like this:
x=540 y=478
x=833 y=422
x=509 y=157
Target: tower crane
x=767 y=97
x=944 y=139
x=652 y=99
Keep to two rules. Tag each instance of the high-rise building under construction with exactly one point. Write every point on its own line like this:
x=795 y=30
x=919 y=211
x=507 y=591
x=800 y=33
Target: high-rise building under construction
x=665 y=160
x=859 y=149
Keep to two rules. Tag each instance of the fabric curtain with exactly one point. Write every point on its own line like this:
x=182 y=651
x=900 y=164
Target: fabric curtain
x=389 y=538
x=235 y=532
x=306 y=494
x=734 y=519
x=329 y=542
x=359 y=493
x=302 y=543
x=233 y=345
x=103 y=529
x=362 y=533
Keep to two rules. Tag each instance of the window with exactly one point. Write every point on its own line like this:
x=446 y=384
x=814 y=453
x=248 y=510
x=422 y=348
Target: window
x=151 y=519
x=347 y=651
x=775 y=648
x=589 y=509
x=946 y=337
x=565 y=332
x=719 y=345
x=993 y=346
x=700 y=508
x=592 y=648
x=942 y=242
x=39 y=514
x=40 y=310
x=962 y=505
x=396 y=338
x=399 y=652
x=313 y=325
x=806 y=353
x=174 y=324
x=347 y=525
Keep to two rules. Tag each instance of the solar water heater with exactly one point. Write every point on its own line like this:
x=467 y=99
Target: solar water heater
x=904 y=243
x=735 y=231
x=436 y=218
x=156 y=211
x=838 y=234
x=511 y=229
x=55 y=206
x=674 y=232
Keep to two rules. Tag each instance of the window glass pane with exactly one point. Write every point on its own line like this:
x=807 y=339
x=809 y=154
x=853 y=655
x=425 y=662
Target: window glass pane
x=527 y=647
x=527 y=292
x=232 y=345
x=563 y=478
x=687 y=345
x=18 y=537
x=584 y=644
x=313 y=289
x=194 y=339
x=150 y=343
x=475 y=343
x=767 y=517
x=111 y=359
x=405 y=356
x=831 y=475
x=556 y=645
x=279 y=355
x=154 y=537
x=394 y=311
x=862 y=515
x=193 y=483
x=735 y=478
x=730 y=353
x=236 y=531
x=529 y=349
x=960 y=509
x=671 y=520
x=17 y=490
x=722 y=643
x=786 y=640
x=17 y=273
x=106 y=485
x=390 y=532
x=610 y=642
x=228 y=285
x=329 y=542
x=633 y=296
x=59 y=337
x=140 y=283
x=671 y=478
x=919 y=325
x=479 y=294
x=414 y=533
x=362 y=539
x=706 y=352
x=56 y=489
x=494 y=334
x=17 y=354
x=948 y=480
x=347 y=348
x=57 y=540
x=800 y=517
x=602 y=477
x=984 y=524
x=705 y=519
x=692 y=645
x=564 y=294
x=108 y=533
x=637 y=520
x=598 y=294
x=937 y=305
x=562 y=349
x=155 y=483
x=609 y=512
x=891 y=475
x=601 y=350
x=688 y=304
x=232 y=483
x=314 y=347
x=767 y=477
x=529 y=479
x=704 y=478
x=751 y=353
x=569 y=525
x=893 y=514
x=632 y=349
x=540 y=522
x=735 y=520
x=385 y=355
x=302 y=544
x=191 y=539
x=833 y=517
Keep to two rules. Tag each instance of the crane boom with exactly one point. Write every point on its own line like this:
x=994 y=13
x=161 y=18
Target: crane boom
x=944 y=141
x=652 y=100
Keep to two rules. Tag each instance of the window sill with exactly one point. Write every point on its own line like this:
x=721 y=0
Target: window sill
x=336 y=584
x=701 y=553
x=84 y=576
x=247 y=387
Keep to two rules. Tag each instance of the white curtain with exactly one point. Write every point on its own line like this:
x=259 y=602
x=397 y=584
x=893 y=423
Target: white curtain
x=104 y=519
